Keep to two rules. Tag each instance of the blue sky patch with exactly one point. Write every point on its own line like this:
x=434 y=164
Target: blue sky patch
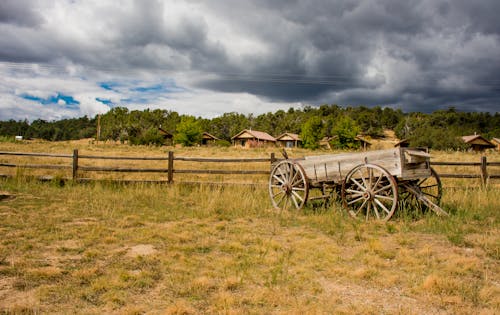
x=109 y=86
x=105 y=101
x=152 y=88
x=135 y=100
x=53 y=99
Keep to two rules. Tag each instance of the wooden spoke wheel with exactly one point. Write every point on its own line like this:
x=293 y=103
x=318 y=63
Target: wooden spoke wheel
x=370 y=191
x=430 y=187
x=288 y=187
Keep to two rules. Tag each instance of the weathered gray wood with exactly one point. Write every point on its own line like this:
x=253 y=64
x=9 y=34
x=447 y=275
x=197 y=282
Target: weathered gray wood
x=36 y=154
x=137 y=158
x=75 y=164
x=403 y=163
x=220 y=172
x=459 y=175
x=41 y=166
x=456 y=163
x=422 y=198
x=170 y=175
x=336 y=166
x=484 y=170
x=221 y=160
x=415 y=156
x=120 y=169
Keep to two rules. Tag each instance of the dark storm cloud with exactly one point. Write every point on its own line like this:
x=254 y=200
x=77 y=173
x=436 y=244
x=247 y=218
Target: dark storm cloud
x=19 y=12
x=451 y=49
x=416 y=55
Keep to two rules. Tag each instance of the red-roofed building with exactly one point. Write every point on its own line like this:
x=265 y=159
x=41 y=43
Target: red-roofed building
x=478 y=143
x=252 y=138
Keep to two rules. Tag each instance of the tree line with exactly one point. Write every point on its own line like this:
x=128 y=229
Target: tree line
x=439 y=130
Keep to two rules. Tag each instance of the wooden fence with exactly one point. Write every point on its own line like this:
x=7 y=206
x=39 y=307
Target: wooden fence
x=483 y=167
x=169 y=170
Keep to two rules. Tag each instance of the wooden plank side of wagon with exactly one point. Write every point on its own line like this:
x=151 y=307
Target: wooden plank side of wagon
x=336 y=166
x=415 y=164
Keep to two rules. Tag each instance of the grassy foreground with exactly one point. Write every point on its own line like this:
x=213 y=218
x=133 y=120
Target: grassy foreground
x=181 y=249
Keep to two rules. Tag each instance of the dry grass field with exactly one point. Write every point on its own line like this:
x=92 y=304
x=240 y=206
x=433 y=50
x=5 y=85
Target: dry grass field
x=202 y=249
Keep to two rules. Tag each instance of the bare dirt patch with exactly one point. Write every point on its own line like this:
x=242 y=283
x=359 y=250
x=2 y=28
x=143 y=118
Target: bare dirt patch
x=141 y=250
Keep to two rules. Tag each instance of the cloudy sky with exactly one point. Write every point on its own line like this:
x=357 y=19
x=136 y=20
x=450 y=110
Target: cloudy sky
x=69 y=58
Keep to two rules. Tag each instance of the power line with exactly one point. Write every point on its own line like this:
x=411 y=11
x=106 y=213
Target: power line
x=257 y=77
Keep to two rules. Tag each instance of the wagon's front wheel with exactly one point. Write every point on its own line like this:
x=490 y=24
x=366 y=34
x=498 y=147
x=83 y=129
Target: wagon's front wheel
x=288 y=187
x=371 y=191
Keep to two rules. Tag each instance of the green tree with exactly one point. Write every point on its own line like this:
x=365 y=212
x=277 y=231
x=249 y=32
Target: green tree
x=228 y=125
x=312 y=132
x=189 y=131
x=114 y=124
x=344 y=133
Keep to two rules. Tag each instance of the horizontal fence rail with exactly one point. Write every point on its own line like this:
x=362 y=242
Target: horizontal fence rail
x=76 y=166
x=483 y=167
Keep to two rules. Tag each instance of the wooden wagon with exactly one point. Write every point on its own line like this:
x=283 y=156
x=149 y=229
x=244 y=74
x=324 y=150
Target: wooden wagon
x=371 y=184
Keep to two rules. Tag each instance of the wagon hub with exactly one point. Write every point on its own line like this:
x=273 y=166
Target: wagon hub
x=368 y=195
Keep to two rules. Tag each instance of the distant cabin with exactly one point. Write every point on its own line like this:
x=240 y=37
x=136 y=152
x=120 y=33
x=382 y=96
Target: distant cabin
x=496 y=143
x=289 y=140
x=208 y=139
x=363 y=143
x=477 y=143
x=252 y=139
x=167 y=136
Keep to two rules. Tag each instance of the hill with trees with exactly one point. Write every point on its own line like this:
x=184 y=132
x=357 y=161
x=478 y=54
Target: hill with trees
x=438 y=130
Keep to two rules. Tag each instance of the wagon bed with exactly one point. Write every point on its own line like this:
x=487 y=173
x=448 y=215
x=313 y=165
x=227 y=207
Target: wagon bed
x=403 y=163
x=372 y=183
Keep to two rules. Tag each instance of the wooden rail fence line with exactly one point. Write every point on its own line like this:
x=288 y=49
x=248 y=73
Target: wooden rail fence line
x=170 y=170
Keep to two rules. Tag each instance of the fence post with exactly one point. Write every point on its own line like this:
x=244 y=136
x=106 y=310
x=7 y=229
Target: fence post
x=75 y=164
x=170 y=167
x=273 y=160
x=484 y=170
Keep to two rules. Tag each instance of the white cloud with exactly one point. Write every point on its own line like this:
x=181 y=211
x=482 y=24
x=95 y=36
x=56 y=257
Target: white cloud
x=345 y=52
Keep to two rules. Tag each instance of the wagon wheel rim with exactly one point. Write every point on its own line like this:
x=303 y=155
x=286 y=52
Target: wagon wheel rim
x=430 y=186
x=288 y=187
x=370 y=191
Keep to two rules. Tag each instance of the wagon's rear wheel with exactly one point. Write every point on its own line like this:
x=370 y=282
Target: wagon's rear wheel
x=370 y=191
x=430 y=187
x=288 y=187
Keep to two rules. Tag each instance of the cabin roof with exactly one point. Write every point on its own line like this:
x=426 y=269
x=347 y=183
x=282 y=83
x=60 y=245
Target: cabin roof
x=206 y=135
x=165 y=133
x=291 y=136
x=260 y=135
x=477 y=140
